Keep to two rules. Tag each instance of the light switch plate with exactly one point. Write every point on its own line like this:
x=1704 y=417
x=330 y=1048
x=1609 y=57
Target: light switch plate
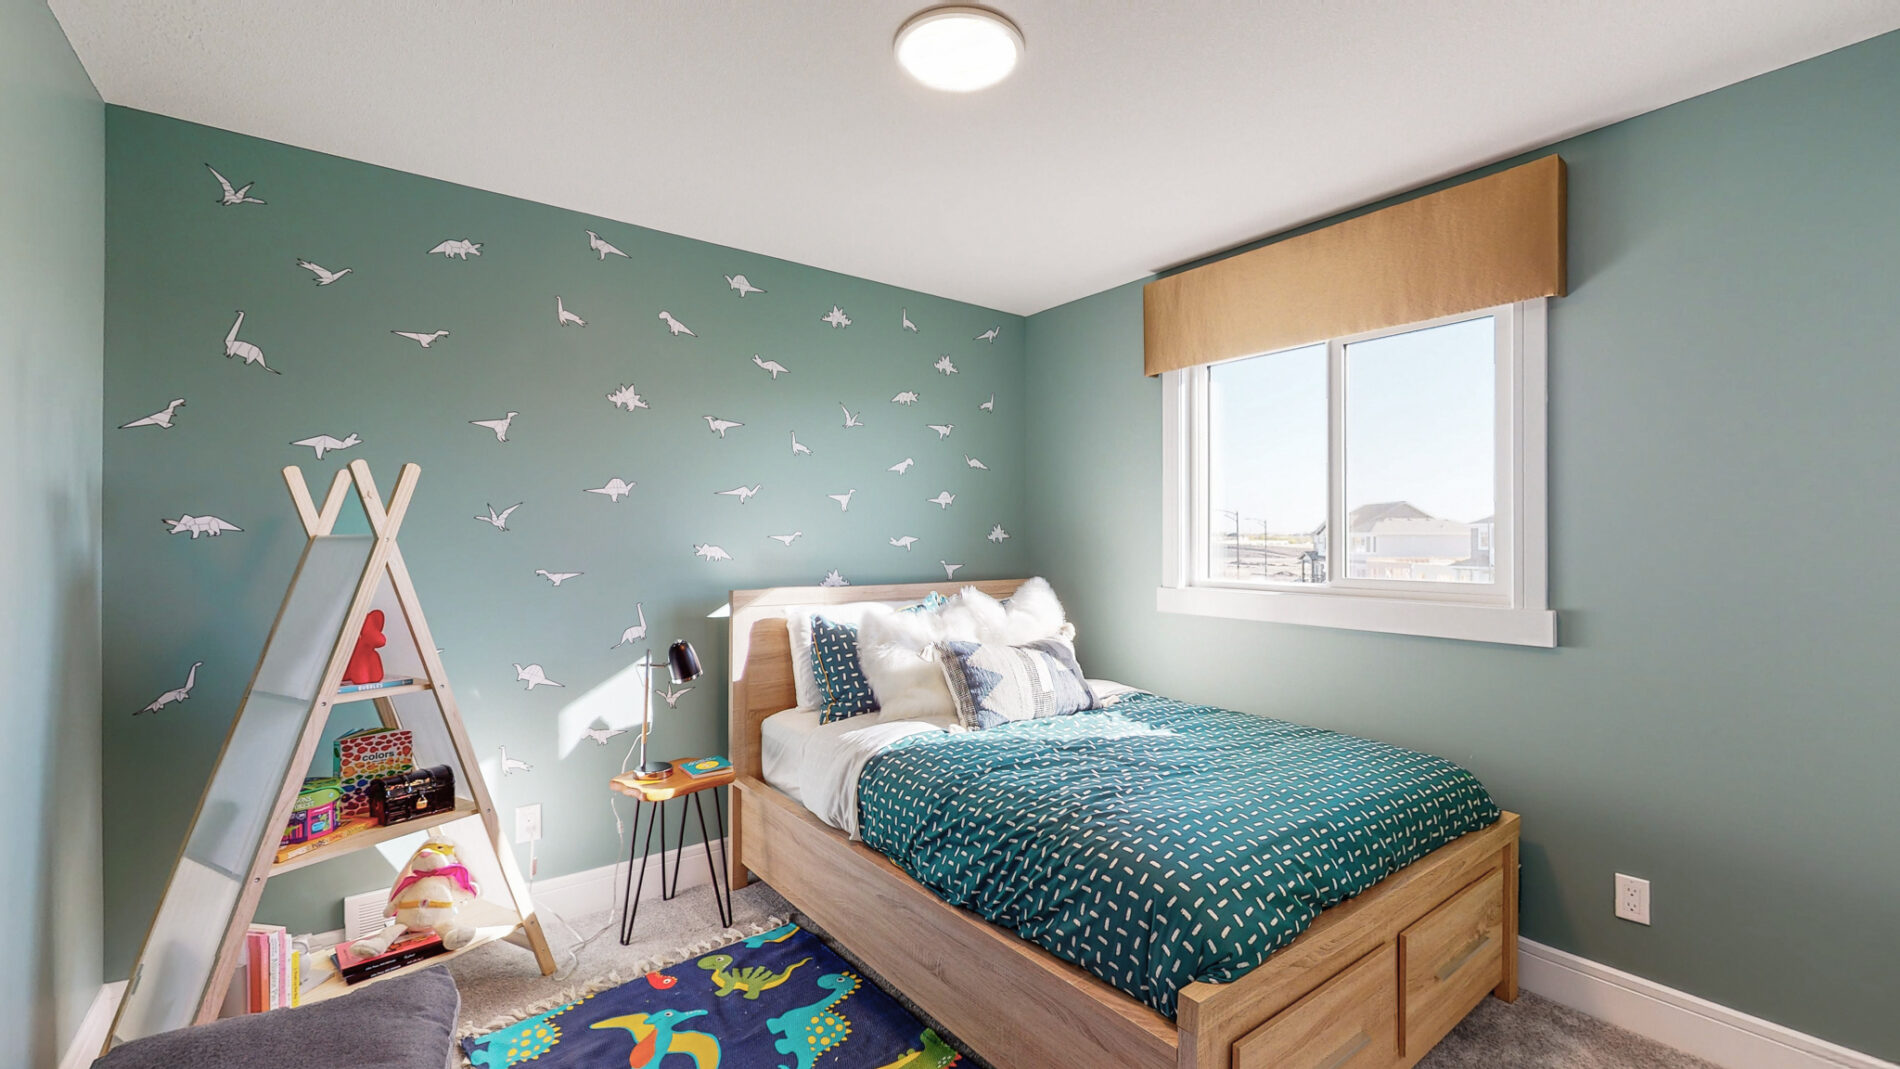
x=528 y=823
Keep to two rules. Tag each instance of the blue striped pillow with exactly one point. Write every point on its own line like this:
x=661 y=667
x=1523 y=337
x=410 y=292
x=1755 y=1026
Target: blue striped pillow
x=834 y=665
x=995 y=685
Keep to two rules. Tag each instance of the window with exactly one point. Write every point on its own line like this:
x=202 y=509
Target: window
x=1389 y=481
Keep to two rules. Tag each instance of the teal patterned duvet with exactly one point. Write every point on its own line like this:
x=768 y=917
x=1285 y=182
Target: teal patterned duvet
x=1155 y=843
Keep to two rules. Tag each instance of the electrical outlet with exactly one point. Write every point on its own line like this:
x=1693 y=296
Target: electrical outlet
x=1632 y=898
x=528 y=823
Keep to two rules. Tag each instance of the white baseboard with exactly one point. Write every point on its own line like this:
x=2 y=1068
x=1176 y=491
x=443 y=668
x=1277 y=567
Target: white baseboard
x=578 y=894
x=1675 y=1018
x=90 y=1038
x=593 y=890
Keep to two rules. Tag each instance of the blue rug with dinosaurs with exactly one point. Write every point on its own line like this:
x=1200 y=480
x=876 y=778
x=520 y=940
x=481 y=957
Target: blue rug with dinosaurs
x=781 y=998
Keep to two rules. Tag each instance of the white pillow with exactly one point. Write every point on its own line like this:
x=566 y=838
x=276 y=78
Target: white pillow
x=897 y=649
x=898 y=654
x=1032 y=614
x=798 y=628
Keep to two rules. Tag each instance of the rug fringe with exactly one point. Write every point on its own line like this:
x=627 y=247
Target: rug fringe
x=615 y=977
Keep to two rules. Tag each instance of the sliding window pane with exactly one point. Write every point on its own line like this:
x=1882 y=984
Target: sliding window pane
x=1421 y=425
x=1266 y=457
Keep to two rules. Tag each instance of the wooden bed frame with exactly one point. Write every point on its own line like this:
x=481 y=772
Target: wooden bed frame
x=1374 y=982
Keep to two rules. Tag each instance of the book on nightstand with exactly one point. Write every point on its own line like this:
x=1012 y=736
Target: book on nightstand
x=705 y=766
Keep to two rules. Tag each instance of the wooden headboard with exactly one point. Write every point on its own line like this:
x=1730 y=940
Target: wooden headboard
x=761 y=654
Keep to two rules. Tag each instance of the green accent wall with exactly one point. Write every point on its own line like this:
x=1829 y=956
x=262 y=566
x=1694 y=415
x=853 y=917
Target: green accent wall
x=1720 y=717
x=182 y=265
x=52 y=305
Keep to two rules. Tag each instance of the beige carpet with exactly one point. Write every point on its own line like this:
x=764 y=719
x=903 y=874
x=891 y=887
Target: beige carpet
x=501 y=983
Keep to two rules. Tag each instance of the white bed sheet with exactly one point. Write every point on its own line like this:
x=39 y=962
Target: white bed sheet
x=817 y=765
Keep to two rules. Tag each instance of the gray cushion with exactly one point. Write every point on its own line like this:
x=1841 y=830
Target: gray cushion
x=407 y=1022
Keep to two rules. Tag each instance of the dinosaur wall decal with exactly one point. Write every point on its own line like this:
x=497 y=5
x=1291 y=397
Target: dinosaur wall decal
x=627 y=397
x=601 y=245
x=173 y=696
x=232 y=197
x=458 y=249
x=200 y=525
x=161 y=419
x=244 y=350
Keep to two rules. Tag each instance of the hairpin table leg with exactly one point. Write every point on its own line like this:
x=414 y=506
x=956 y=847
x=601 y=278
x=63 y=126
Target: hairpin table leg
x=630 y=900
x=679 y=847
x=721 y=898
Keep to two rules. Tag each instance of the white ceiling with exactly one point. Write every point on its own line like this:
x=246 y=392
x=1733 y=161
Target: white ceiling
x=1136 y=135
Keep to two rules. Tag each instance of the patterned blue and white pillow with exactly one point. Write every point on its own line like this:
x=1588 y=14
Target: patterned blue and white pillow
x=933 y=602
x=834 y=665
x=1002 y=684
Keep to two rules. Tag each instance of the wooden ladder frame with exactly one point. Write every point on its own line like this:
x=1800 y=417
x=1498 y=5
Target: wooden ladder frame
x=385 y=564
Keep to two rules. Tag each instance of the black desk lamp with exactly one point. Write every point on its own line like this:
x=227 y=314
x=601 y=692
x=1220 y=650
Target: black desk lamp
x=682 y=664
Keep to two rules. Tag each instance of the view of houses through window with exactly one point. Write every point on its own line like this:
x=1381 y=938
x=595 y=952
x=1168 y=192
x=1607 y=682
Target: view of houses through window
x=1419 y=460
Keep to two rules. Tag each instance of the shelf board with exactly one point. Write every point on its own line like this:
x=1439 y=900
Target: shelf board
x=491 y=922
x=362 y=834
x=381 y=692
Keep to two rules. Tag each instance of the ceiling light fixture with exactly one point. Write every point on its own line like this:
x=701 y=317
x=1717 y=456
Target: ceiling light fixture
x=958 y=49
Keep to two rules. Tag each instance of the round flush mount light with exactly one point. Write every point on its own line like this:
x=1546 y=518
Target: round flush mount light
x=958 y=49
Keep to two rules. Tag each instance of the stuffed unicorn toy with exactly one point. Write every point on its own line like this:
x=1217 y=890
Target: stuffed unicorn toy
x=428 y=896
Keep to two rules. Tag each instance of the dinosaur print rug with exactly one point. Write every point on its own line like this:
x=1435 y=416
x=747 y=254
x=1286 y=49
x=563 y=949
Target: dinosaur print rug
x=780 y=998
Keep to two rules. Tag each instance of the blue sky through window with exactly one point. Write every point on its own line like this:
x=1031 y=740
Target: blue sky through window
x=1420 y=428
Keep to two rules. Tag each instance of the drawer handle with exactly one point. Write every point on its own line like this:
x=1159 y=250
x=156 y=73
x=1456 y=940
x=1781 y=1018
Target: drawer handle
x=1344 y=1054
x=1458 y=960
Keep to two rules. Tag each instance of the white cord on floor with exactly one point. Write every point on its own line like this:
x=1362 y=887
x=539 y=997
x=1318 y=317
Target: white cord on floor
x=617 y=907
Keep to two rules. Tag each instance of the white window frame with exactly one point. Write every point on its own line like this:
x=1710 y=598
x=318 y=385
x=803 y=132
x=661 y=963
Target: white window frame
x=1512 y=610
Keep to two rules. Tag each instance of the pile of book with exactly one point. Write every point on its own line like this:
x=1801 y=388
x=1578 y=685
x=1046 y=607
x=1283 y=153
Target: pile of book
x=272 y=969
x=413 y=947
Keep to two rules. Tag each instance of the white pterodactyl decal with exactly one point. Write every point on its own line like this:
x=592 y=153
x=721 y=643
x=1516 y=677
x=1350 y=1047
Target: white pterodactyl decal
x=325 y=276
x=232 y=197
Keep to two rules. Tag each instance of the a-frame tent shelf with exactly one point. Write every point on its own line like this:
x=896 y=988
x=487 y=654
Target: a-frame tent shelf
x=197 y=935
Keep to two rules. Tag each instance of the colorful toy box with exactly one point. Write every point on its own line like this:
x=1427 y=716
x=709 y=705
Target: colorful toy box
x=314 y=815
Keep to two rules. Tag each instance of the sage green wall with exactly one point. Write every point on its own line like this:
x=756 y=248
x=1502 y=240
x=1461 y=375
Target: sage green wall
x=52 y=303
x=181 y=265
x=1720 y=717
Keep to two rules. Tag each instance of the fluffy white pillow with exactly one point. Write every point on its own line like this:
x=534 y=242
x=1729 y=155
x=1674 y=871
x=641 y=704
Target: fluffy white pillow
x=897 y=649
x=798 y=626
x=1032 y=614
x=897 y=652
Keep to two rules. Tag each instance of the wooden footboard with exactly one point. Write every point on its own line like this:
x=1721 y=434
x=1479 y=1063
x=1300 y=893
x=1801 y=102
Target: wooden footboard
x=1373 y=983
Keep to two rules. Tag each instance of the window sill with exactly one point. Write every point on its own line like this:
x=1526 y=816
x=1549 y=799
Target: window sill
x=1469 y=623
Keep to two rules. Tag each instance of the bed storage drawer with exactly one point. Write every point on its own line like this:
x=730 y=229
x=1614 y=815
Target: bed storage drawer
x=1349 y=1022
x=1450 y=958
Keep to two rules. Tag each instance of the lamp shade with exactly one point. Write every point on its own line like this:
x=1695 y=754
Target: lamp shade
x=682 y=661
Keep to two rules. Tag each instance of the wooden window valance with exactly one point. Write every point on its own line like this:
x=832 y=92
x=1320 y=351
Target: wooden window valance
x=1486 y=242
